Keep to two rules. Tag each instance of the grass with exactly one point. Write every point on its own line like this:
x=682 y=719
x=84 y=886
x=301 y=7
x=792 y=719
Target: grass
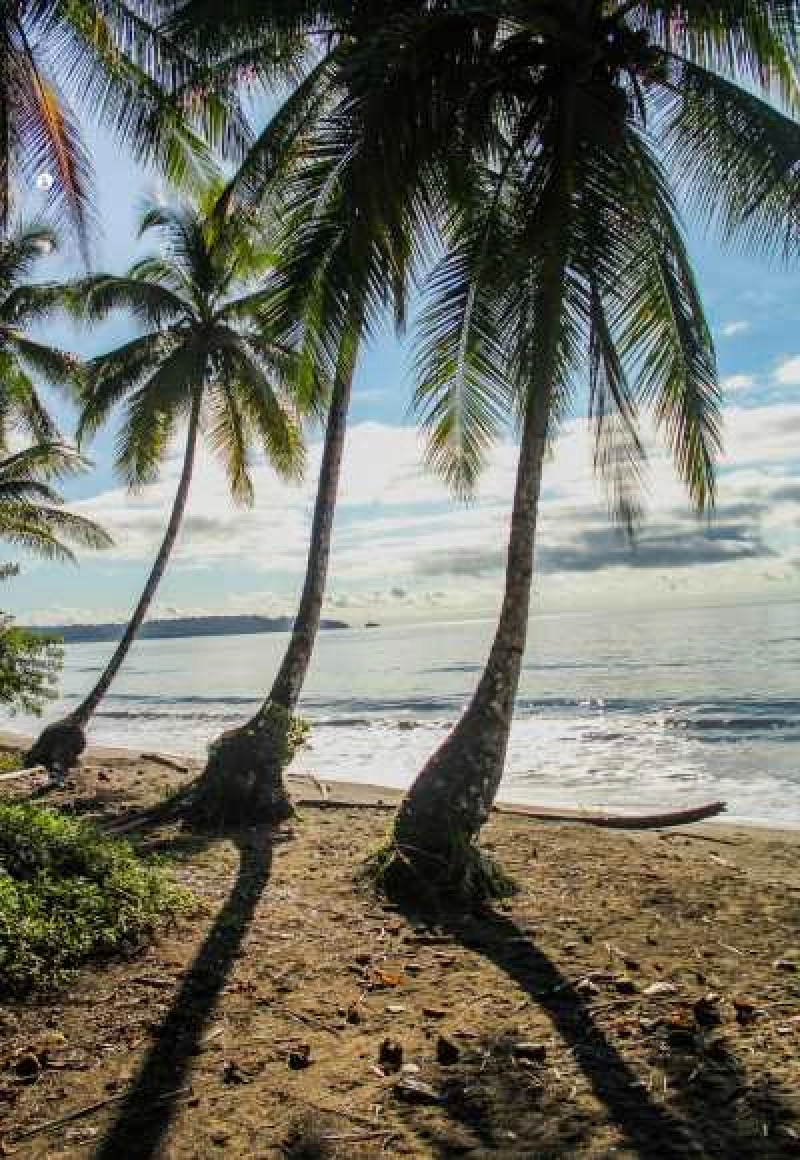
x=67 y=895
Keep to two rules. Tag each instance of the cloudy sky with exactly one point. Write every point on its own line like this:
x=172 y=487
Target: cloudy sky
x=403 y=548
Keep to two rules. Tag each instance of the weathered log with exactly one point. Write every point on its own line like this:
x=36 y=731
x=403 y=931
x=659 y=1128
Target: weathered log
x=542 y=813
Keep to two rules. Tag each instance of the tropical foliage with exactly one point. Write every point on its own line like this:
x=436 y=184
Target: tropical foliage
x=67 y=894
x=107 y=60
x=33 y=515
x=23 y=360
x=30 y=664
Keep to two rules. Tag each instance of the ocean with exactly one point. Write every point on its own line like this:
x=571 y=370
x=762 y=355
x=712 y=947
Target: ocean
x=623 y=710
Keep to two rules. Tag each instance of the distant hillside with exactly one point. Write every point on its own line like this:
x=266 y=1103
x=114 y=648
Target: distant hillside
x=180 y=627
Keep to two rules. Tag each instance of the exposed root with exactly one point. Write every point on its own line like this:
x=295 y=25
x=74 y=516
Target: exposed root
x=459 y=874
x=242 y=783
x=58 y=747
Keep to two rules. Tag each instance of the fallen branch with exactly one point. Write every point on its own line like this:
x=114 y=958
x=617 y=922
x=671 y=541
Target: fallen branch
x=704 y=838
x=308 y=1020
x=620 y=821
x=542 y=814
x=387 y=1134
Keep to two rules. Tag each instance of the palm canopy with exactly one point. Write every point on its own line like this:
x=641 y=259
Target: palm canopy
x=32 y=511
x=452 y=115
x=23 y=360
x=203 y=307
x=108 y=59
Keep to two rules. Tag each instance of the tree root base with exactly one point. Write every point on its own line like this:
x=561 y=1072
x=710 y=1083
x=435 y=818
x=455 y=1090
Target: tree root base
x=59 y=746
x=460 y=876
x=242 y=783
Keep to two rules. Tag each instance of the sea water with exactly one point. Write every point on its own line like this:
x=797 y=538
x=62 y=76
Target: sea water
x=623 y=710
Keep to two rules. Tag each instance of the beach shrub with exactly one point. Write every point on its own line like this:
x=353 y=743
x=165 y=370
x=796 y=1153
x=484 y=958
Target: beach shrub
x=67 y=894
x=30 y=664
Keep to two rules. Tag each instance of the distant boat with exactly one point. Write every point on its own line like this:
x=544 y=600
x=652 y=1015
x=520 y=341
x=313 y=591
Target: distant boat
x=372 y=624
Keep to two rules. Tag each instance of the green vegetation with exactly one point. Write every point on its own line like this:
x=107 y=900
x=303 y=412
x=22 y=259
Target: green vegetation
x=68 y=895
x=30 y=665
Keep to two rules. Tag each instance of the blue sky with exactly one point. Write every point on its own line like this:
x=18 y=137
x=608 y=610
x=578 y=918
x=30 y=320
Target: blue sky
x=403 y=548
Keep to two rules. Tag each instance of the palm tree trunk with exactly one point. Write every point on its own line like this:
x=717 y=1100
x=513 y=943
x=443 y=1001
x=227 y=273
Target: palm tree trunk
x=453 y=794
x=288 y=683
x=441 y=816
x=243 y=778
x=58 y=744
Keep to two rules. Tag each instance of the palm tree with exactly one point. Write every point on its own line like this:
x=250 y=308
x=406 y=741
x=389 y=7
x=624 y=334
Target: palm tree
x=206 y=358
x=559 y=139
x=109 y=60
x=32 y=511
x=345 y=256
x=22 y=302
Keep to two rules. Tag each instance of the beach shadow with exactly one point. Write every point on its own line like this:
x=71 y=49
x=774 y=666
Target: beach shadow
x=646 y=1127
x=716 y=1110
x=147 y=1113
x=732 y=1113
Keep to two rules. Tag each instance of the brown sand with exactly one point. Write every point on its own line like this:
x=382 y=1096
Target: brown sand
x=640 y=996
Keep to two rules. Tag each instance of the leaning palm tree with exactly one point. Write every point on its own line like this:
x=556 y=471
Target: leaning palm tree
x=560 y=138
x=33 y=515
x=567 y=267
x=331 y=280
x=347 y=253
x=208 y=359
x=23 y=359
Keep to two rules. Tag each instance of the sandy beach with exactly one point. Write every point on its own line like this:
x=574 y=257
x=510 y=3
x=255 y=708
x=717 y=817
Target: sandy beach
x=639 y=996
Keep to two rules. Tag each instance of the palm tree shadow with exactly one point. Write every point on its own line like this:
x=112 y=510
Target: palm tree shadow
x=648 y=1129
x=149 y=1108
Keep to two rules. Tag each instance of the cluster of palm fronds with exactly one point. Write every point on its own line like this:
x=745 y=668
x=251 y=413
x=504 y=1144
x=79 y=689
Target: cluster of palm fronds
x=519 y=162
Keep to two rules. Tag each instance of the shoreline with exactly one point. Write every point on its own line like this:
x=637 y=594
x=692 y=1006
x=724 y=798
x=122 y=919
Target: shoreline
x=338 y=792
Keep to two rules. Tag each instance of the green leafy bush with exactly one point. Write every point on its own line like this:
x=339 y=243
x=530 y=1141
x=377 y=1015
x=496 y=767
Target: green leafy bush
x=30 y=664
x=68 y=894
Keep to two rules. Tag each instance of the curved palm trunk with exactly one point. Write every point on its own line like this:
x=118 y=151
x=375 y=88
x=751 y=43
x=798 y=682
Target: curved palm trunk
x=243 y=778
x=288 y=684
x=450 y=800
x=60 y=744
x=435 y=830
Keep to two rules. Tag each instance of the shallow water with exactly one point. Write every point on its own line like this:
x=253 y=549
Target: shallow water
x=626 y=710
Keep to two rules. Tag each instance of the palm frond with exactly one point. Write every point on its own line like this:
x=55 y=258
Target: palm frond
x=736 y=160
x=752 y=42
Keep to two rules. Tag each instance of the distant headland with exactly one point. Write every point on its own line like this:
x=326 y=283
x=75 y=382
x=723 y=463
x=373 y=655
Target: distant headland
x=179 y=627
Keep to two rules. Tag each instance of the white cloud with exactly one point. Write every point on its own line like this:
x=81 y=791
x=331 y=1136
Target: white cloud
x=732 y=329
x=787 y=374
x=738 y=383
x=404 y=548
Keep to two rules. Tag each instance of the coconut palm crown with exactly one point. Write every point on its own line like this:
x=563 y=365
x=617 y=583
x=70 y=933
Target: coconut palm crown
x=32 y=511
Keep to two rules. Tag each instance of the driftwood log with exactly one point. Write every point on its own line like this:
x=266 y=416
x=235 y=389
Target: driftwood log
x=540 y=813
